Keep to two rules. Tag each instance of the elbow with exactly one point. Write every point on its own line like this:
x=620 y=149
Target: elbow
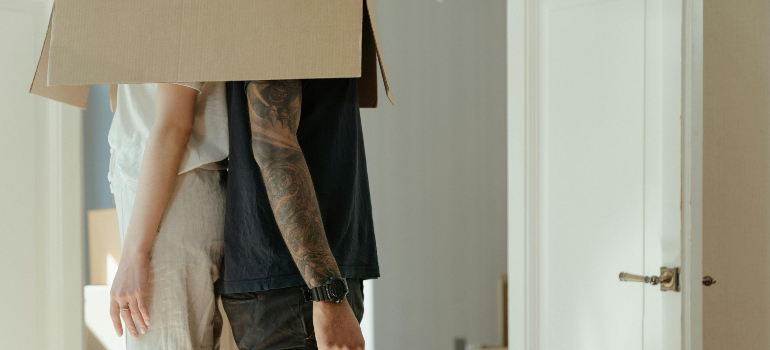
x=183 y=129
x=268 y=152
x=262 y=153
x=177 y=131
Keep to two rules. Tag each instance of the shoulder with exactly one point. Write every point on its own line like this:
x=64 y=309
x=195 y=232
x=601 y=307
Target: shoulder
x=193 y=85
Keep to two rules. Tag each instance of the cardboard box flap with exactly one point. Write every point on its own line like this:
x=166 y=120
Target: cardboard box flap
x=72 y=95
x=367 y=83
x=113 y=97
x=371 y=6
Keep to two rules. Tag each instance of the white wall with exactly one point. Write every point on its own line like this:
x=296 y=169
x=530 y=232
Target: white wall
x=41 y=269
x=736 y=174
x=437 y=170
x=97 y=119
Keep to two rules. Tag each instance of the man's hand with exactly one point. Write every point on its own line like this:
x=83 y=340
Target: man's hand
x=336 y=327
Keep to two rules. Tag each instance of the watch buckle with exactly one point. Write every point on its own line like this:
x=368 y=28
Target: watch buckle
x=307 y=293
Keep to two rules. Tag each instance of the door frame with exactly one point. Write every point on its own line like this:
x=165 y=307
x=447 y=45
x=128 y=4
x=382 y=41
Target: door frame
x=523 y=40
x=61 y=242
x=692 y=175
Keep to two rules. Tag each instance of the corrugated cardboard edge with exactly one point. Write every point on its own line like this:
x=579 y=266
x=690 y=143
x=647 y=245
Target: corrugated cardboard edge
x=371 y=6
x=75 y=95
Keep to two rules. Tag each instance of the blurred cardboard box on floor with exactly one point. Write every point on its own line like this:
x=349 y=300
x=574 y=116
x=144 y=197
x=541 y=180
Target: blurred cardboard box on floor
x=100 y=333
x=104 y=245
x=147 y=41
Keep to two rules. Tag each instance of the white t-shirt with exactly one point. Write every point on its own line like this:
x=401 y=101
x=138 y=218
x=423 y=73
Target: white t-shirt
x=135 y=115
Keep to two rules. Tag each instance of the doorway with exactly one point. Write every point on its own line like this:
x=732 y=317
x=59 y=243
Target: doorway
x=604 y=171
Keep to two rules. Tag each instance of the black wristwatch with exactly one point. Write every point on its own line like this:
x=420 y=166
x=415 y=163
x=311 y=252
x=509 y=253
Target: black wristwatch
x=335 y=289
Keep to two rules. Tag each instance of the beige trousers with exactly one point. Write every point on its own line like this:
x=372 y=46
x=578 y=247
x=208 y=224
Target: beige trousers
x=185 y=261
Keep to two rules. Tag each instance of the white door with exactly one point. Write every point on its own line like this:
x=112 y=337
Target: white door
x=595 y=163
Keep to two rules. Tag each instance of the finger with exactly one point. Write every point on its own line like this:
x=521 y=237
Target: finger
x=143 y=309
x=137 y=316
x=115 y=315
x=126 y=315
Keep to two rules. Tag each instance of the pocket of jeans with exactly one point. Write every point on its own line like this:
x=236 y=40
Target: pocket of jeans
x=356 y=297
x=239 y=297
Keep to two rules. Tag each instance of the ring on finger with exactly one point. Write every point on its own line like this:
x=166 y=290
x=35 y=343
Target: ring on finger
x=124 y=309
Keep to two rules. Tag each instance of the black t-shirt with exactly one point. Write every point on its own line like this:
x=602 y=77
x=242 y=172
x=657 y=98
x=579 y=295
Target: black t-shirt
x=330 y=136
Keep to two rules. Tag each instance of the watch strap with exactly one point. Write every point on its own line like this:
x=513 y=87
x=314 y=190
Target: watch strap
x=322 y=293
x=317 y=294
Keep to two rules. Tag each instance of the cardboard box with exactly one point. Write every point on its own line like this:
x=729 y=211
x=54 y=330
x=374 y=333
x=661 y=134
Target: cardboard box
x=104 y=245
x=148 y=41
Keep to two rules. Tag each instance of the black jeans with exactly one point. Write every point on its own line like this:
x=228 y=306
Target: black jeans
x=280 y=319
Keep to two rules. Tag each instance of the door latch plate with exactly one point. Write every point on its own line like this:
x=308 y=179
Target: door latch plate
x=669 y=279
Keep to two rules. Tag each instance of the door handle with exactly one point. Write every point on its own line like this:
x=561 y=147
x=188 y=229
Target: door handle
x=668 y=279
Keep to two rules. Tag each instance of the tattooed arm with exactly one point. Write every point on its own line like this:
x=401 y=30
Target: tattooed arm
x=274 y=110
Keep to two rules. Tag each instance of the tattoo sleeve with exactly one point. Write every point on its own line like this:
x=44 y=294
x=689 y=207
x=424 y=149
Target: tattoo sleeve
x=274 y=111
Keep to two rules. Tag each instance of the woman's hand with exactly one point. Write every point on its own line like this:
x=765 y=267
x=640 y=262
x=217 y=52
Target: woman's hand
x=129 y=291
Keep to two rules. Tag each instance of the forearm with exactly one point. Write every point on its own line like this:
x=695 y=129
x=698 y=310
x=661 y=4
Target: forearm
x=296 y=211
x=274 y=110
x=160 y=166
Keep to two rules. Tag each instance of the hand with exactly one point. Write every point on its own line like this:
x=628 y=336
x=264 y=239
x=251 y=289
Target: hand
x=336 y=327
x=129 y=291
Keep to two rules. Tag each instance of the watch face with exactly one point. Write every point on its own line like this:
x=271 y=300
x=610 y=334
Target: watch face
x=337 y=289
